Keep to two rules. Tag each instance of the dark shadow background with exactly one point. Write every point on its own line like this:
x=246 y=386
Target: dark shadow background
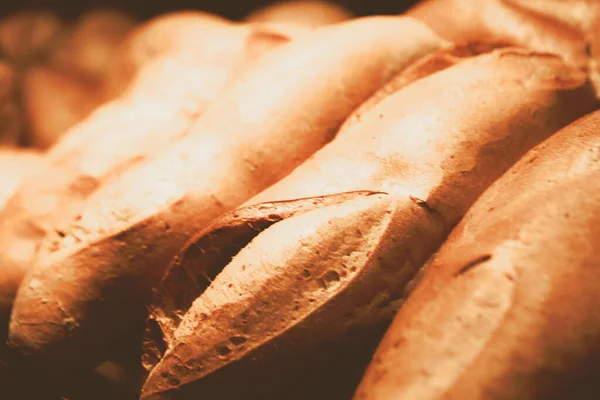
x=233 y=9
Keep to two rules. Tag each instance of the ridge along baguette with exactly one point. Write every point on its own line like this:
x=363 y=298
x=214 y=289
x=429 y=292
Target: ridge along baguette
x=567 y=28
x=508 y=307
x=303 y=303
x=302 y=12
x=94 y=277
x=156 y=110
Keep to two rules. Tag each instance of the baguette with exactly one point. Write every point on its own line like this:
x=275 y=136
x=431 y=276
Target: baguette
x=561 y=27
x=313 y=286
x=302 y=12
x=193 y=33
x=507 y=309
x=425 y=66
x=99 y=271
x=155 y=111
x=11 y=116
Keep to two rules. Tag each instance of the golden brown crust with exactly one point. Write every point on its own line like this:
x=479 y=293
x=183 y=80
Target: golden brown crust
x=265 y=36
x=191 y=36
x=224 y=238
x=567 y=28
x=507 y=309
x=80 y=162
x=312 y=292
x=428 y=65
x=229 y=157
x=156 y=111
x=188 y=32
x=260 y=40
x=301 y=12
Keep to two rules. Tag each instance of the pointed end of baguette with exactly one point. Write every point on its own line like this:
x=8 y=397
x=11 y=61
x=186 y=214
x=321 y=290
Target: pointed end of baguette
x=286 y=274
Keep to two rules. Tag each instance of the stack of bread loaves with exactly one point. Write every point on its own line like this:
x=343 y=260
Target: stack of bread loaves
x=227 y=209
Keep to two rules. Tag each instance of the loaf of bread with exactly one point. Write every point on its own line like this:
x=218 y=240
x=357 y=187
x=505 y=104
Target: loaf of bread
x=95 y=275
x=566 y=27
x=302 y=280
x=427 y=65
x=200 y=35
x=156 y=111
x=508 y=307
x=312 y=13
